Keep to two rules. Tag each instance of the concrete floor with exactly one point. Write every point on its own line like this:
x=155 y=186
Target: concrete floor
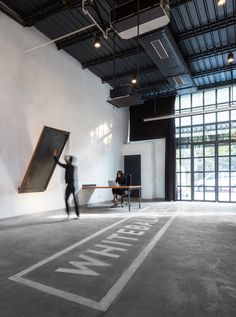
x=167 y=259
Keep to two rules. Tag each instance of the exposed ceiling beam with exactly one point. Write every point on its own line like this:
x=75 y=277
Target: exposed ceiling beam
x=153 y=68
x=210 y=52
x=55 y=7
x=221 y=23
x=163 y=84
x=152 y=93
x=179 y=37
x=177 y=3
x=89 y=35
x=11 y=13
x=214 y=71
x=126 y=53
x=215 y=85
x=46 y=11
x=142 y=70
x=78 y=38
x=134 y=51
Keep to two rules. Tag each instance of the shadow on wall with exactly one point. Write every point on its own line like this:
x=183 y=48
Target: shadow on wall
x=102 y=133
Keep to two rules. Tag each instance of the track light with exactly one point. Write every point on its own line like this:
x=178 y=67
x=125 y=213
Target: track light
x=230 y=58
x=134 y=80
x=221 y=2
x=97 y=42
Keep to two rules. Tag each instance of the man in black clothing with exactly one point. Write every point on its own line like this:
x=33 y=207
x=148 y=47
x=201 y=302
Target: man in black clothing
x=69 y=179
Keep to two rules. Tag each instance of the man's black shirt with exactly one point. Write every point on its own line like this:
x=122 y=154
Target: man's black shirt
x=69 y=173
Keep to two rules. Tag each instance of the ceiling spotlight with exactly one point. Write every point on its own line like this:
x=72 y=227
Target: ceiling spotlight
x=134 y=80
x=230 y=58
x=97 y=42
x=221 y=2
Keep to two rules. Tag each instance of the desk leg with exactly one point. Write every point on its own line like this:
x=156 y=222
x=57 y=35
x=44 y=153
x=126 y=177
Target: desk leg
x=139 y=197
x=129 y=199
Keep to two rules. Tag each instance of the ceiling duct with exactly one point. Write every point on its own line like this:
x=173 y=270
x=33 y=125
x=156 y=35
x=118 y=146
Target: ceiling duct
x=153 y=15
x=165 y=53
x=124 y=96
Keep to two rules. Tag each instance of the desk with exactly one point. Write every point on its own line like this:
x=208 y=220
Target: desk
x=128 y=188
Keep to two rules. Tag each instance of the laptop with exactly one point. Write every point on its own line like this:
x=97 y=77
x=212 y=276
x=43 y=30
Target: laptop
x=112 y=183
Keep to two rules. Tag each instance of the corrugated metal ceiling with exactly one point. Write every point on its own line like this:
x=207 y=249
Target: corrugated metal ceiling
x=205 y=34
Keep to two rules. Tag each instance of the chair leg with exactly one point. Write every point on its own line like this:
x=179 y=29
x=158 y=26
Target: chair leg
x=121 y=201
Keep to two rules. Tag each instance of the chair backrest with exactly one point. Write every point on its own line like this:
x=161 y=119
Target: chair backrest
x=128 y=179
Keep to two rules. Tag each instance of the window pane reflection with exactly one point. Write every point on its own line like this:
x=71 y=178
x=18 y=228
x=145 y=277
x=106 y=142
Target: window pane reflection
x=223 y=163
x=233 y=163
x=198 y=164
x=209 y=150
x=185 y=101
x=223 y=116
x=185 y=165
x=185 y=179
x=210 y=118
x=210 y=164
x=209 y=97
x=223 y=95
x=223 y=149
x=198 y=151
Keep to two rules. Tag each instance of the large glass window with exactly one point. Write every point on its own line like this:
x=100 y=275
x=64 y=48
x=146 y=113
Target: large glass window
x=206 y=146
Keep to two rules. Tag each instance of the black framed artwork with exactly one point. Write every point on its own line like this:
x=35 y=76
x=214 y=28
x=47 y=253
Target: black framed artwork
x=42 y=164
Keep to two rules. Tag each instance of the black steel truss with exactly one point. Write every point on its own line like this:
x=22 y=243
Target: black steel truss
x=190 y=58
x=210 y=52
x=78 y=38
x=214 y=71
x=41 y=13
x=46 y=11
x=153 y=68
x=220 y=24
x=55 y=7
x=154 y=93
x=12 y=14
x=122 y=54
x=142 y=70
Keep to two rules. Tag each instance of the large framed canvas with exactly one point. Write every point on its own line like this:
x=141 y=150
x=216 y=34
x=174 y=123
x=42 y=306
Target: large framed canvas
x=42 y=164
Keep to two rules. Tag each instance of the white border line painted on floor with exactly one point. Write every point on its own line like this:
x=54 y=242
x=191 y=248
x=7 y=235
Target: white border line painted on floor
x=115 y=290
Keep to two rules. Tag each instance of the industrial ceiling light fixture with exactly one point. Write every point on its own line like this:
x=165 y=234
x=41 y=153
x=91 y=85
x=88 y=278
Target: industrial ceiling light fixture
x=230 y=58
x=97 y=42
x=134 y=80
x=220 y=2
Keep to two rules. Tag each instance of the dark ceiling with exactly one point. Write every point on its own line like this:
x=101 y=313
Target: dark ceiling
x=204 y=32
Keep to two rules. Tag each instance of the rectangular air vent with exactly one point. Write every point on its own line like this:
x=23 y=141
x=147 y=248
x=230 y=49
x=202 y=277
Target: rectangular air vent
x=178 y=80
x=159 y=48
x=165 y=53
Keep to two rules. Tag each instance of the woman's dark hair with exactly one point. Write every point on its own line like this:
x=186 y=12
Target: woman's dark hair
x=121 y=174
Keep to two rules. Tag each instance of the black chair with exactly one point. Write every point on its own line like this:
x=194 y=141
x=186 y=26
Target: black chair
x=126 y=192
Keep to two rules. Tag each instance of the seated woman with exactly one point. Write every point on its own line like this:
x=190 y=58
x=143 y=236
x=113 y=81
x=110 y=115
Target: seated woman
x=120 y=180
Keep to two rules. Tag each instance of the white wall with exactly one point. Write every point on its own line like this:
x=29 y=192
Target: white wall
x=152 y=166
x=48 y=87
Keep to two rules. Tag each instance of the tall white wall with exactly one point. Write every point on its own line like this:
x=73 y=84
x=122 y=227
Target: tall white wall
x=152 y=166
x=49 y=87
